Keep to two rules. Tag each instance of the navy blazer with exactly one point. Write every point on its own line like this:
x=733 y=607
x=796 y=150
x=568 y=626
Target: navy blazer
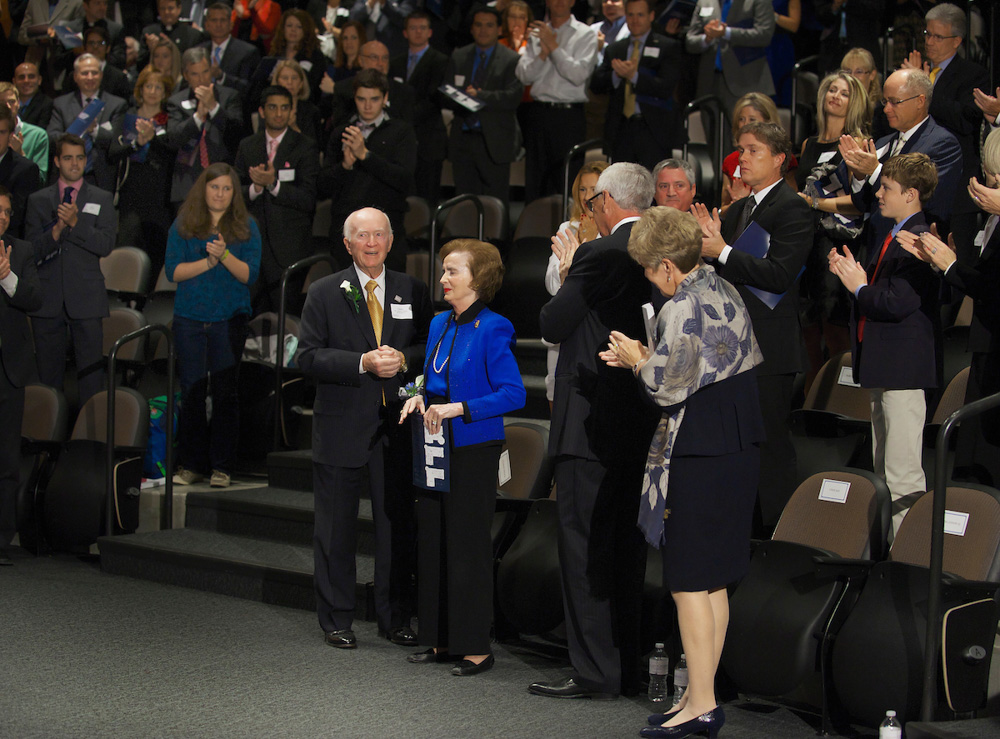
x=942 y=147
x=901 y=348
x=73 y=279
x=349 y=419
x=17 y=356
x=482 y=372
x=428 y=124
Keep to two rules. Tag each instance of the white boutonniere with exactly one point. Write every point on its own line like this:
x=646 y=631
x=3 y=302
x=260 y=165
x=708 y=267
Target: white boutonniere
x=352 y=293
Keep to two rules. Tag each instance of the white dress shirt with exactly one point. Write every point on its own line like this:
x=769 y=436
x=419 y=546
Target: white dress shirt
x=563 y=76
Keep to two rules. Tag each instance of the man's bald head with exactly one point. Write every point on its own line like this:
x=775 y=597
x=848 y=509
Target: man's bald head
x=374 y=55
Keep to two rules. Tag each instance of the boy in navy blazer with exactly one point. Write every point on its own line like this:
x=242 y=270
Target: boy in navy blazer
x=895 y=327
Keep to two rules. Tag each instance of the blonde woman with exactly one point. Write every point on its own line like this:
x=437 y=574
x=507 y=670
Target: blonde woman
x=305 y=117
x=860 y=64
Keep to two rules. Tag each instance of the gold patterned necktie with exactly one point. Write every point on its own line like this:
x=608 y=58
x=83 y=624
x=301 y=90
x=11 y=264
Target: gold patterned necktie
x=374 y=310
x=628 y=110
x=934 y=74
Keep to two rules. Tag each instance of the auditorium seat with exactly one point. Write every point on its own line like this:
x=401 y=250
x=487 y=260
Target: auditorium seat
x=782 y=614
x=74 y=498
x=540 y=219
x=126 y=275
x=526 y=455
x=131 y=356
x=878 y=658
x=462 y=221
x=43 y=431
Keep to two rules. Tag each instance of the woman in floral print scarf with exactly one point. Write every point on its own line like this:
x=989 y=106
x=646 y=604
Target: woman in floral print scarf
x=704 y=462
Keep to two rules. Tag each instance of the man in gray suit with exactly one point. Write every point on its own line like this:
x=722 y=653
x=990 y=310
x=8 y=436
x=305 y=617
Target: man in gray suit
x=204 y=122
x=67 y=108
x=732 y=38
x=483 y=143
x=71 y=225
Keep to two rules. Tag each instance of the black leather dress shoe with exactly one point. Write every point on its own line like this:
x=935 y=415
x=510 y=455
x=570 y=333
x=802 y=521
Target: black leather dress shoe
x=568 y=688
x=467 y=667
x=431 y=657
x=342 y=639
x=5 y=560
x=404 y=636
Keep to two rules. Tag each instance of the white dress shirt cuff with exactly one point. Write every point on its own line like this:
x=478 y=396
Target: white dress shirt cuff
x=727 y=33
x=724 y=254
x=9 y=284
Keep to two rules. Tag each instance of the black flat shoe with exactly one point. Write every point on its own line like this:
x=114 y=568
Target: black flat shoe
x=342 y=639
x=707 y=723
x=656 y=719
x=404 y=636
x=430 y=657
x=466 y=667
x=568 y=688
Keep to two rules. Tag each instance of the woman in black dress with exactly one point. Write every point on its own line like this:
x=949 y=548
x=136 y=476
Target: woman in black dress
x=704 y=460
x=145 y=166
x=841 y=108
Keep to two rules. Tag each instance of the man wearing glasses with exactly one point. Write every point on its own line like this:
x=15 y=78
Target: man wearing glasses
x=954 y=108
x=907 y=100
x=372 y=55
x=95 y=13
x=96 y=41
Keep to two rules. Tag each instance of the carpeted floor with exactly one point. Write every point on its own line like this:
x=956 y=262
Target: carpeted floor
x=85 y=654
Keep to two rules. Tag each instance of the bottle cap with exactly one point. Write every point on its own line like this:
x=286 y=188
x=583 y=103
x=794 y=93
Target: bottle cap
x=659 y=645
x=683 y=656
x=891 y=714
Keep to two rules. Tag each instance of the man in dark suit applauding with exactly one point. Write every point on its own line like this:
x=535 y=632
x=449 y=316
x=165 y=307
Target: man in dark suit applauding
x=36 y=106
x=278 y=169
x=232 y=60
x=363 y=334
x=20 y=294
x=484 y=143
x=601 y=428
x=203 y=123
x=67 y=108
x=765 y=153
x=422 y=69
x=71 y=225
x=640 y=73
x=168 y=26
x=370 y=161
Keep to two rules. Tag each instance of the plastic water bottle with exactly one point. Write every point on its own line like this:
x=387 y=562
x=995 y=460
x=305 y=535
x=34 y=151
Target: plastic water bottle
x=680 y=680
x=890 y=728
x=659 y=666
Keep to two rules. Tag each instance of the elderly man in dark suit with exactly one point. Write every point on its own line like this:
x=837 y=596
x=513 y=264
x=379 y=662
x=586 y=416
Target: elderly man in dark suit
x=953 y=107
x=36 y=106
x=20 y=294
x=370 y=160
x=232 y=60
x=363 y=335
x=204 y=122
x=640 y=73
x=71 y=225
x=775 y=208
x=422 y=69
x=17 y=173
x=601 y=429
x=67 y=108
x=278 y=168
x=484 y=143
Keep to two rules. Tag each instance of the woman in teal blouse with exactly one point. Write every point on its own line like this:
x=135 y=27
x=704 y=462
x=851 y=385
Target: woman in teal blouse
x=213 y=254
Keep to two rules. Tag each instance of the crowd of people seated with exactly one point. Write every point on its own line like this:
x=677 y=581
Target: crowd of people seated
x=207 y=134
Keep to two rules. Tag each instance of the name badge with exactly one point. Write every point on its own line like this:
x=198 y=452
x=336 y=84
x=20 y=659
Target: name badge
x=189 y=104
x=106 y=125
x=652 y=51
x=286 y=175
x=306 y=65
x=93 y=209
x=400 y=80
x=459 y=80
x=706 y=12
x=402 y=312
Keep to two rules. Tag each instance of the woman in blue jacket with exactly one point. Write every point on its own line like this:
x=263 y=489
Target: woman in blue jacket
x=472 y=379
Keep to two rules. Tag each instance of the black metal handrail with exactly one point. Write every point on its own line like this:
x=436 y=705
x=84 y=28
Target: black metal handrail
x=885 y=51
x=721 y=126
x=282 y=311
x=571 y=154
x=446 y=206
x=932 y=642
x=796 y=69
x=168 y=500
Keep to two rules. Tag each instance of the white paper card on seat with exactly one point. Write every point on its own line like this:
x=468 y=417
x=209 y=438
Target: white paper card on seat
x=847 y=377
x=503 y=472
x=834 y=491
x=955 y=522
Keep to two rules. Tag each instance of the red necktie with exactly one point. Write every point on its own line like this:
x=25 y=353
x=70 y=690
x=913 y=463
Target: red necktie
x=885 y=246
x=203 y=147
